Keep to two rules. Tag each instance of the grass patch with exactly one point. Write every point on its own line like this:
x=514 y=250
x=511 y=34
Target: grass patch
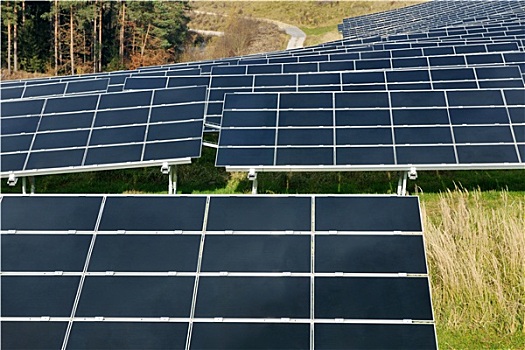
x=318 y=30
x=475 y=247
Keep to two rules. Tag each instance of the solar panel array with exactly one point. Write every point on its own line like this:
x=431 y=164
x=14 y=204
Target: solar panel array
x=101 y=131
x=474 y=77
x=439 y=85
x=451 y=129
x=128 y=272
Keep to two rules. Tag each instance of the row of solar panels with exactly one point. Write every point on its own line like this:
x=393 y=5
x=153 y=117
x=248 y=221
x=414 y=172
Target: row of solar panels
x=318 y=272
x=402 y=58
x=186 y=68
x=97 y=122
x=428 y=15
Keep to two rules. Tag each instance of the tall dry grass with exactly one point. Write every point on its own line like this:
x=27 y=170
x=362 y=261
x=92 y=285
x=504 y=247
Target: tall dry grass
x=476 y=257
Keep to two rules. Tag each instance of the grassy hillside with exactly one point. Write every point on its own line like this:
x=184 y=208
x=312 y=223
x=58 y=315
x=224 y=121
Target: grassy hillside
x=318 y=19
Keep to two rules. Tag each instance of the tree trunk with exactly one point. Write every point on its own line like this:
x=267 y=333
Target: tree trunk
x=100 y=39
x=8 y=44
x=84 y=51
x=122 y=32
x=15 y=39
x=71 y=41
x=144 y=42
x=56 y=37
x=23 y=12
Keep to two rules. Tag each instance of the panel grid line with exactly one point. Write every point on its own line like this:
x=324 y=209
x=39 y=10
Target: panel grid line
x=147 y=125
x=93 y=121
x=454 y=144
x=197 y=273
x=34 y=135
x=84 y=273
x=511 y=126
x=312 y=277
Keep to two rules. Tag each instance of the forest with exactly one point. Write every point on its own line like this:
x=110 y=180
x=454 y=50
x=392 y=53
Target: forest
x=78 y=37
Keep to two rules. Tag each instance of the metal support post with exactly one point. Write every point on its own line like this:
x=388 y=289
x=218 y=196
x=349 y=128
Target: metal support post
x=252 y=176
x=172 y=178
x=402 y=184
x=24 y=186
x=32 y=184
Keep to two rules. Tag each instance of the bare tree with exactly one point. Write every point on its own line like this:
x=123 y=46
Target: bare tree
x=9 y=35
x=15 y=37
x=122 y=31
x=56 y=36
x=71 y=37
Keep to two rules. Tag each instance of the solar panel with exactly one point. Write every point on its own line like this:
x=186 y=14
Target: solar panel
x=55 y=89
x=451 y=129
x=298 y=271
x=101 y=131
x=493 y=76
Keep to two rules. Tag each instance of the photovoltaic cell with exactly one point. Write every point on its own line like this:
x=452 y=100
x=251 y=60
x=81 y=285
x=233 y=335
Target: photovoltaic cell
x=36 y=335
x=44 y=252
x=119 y=296
x=373 y=336
x=128 y=335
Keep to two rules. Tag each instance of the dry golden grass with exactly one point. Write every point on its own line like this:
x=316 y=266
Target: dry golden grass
x=5 y=75
x=476 y=257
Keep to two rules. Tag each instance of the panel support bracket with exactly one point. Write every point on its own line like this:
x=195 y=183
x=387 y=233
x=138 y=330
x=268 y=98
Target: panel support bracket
x=404 y=176
x=252 y=176
x=12 y=180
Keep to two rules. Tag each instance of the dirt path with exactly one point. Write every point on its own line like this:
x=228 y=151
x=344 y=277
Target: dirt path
x=297 y=36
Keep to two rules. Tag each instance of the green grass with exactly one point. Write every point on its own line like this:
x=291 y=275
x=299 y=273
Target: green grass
x=476 y=339
x=318 y=30
x=203 y=177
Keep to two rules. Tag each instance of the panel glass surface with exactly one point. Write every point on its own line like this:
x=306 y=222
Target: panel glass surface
x=259 y=214
x=153 y=214
x=253 y=297
x=374 y=336
x=256 y=253
x=127 y=296
x=369 y=254
x=30 y=252
x=128 y=335
x=50 y=213
x=372 y=298
x=243 y=336
x=367 y=214
x=36 y=296
x=145 y=253
x=32 y=335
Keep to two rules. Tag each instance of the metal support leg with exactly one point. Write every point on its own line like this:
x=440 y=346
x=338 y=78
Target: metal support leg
x=172 y=178
x=32 y=184
x=252 y=176
x=402 y=184
x=24 y=186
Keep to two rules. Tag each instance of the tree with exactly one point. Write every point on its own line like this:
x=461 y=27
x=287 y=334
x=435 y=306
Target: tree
x=68 y=37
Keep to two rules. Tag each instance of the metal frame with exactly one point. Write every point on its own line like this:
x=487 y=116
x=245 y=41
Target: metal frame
x=86 y=168
x=386 y=167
